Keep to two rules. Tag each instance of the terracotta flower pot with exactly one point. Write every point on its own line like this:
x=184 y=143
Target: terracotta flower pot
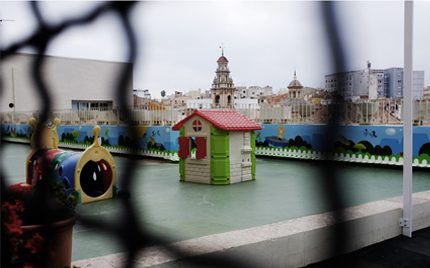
x=59 y=236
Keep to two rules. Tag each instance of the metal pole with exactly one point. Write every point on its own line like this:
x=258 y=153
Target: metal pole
x=406 y=221
x=13 y=96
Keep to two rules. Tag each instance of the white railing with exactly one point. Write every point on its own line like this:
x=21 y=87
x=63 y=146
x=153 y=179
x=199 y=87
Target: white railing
x=374 y=112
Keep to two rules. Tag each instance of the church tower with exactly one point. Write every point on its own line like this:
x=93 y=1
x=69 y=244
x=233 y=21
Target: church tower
x=295 y=88
x=223 y=87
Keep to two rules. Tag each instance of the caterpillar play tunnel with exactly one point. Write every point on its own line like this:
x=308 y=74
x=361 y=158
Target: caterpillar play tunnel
x=89 y=175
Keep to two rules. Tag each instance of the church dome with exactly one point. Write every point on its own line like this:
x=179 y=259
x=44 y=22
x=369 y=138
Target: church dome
x=222 y=59
x=295 y=82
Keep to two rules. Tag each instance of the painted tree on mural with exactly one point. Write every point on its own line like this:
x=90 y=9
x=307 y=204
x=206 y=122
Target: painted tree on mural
x=157 y=146
x=127 y=142
x=299 y=142
x=384 y=151
x=425 y=149
x=90 y=140
x=68 y=137
x=344 y=146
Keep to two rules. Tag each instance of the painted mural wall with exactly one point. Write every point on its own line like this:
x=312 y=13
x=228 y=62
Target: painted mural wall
x=373 y=144
x=154 y=141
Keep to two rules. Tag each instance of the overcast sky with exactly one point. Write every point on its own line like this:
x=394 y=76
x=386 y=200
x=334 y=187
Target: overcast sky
x=264 y=41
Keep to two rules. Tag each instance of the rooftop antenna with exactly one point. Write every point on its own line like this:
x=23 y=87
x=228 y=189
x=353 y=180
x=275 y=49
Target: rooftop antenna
x=4 y=19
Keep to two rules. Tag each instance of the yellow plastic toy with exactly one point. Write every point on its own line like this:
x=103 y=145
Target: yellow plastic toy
x=89 y=175
x=99 y=156
x=48 y=140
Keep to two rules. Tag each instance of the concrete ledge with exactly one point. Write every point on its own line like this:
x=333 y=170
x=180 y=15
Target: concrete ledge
x=293 y=243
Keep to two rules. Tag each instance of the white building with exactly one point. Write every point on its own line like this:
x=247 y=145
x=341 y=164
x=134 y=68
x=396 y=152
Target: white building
x=254 y=92
x=195 y=94
x=283 y=91
x=142 y=93
x=207 y=104
x=246 y=104
x=207 y=94
x=72 y=83
x=199 y=103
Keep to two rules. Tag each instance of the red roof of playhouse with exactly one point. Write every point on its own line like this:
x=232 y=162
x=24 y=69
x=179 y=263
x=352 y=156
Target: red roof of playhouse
x=223 y=119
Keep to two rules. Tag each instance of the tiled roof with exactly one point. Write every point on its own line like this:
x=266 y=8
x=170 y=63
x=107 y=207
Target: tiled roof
x=222 y=58
x=223 y=119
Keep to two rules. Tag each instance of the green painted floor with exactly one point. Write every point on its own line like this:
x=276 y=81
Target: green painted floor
x=285 y=189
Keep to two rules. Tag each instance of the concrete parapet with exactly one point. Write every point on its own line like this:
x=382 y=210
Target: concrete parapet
x=293 y=243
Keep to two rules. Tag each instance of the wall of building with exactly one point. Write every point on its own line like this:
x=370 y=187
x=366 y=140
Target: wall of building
x=67 y=79
x=360 y=83
x=373 y=86
x=370 y=82
x=417 y=84
x=394 y=82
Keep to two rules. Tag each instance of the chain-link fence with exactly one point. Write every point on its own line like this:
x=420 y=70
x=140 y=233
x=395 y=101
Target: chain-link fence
x=129 y=233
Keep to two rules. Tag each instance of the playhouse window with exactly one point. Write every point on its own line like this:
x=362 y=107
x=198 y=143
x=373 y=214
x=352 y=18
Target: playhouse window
x=184 y=147
x=201 y=147
x=197 y=126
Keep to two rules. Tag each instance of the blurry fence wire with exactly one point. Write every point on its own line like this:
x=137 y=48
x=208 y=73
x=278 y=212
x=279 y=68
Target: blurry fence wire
x=129 y=232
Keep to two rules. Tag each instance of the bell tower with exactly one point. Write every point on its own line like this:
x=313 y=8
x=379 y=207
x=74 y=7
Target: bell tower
x=223 y=87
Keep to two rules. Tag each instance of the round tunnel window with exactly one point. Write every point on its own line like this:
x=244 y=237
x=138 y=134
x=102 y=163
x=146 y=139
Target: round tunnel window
x=95 y=180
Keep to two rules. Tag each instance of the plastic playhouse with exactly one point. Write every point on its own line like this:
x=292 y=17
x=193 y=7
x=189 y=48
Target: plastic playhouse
x=89 y=175
x=224 y=142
